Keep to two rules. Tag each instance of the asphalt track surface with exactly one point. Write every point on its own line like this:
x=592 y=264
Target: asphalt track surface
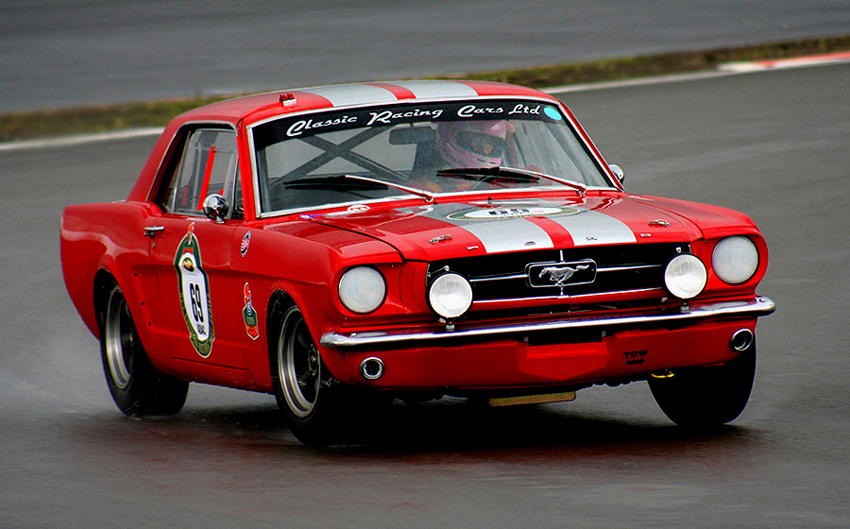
x=59 y=53
x=772 y=144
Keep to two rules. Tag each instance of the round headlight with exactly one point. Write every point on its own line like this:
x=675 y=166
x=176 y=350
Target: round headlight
x=735 y=260
x=685 y=276
x=362 y=289
x=450 y=295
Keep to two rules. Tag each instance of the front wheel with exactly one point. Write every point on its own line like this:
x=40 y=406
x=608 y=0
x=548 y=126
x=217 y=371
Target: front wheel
x=309 y=397
x=137 y=387
x=708 y=396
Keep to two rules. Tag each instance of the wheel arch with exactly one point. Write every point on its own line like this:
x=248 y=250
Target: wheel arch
x=154 y=346
x=103 y=281
x=104 y=278
x=279 y=302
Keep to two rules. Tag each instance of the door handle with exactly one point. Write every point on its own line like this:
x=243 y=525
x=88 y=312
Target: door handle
x=151 y=231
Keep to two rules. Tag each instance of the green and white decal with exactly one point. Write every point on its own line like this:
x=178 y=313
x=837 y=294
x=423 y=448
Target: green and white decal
x=195 y=293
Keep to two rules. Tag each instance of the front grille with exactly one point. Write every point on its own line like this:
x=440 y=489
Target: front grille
x=565 y=273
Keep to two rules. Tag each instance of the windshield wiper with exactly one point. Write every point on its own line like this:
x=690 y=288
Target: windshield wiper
x=511 y=171
x=328 y=181
x=340 y=179
x=412 y=190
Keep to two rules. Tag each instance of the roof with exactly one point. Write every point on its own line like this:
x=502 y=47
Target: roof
x=255 y=107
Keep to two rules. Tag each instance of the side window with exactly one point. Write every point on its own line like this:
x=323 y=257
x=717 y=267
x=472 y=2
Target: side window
x=208 y=166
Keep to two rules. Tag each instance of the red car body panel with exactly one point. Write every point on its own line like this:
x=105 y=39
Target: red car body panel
x=304 y=254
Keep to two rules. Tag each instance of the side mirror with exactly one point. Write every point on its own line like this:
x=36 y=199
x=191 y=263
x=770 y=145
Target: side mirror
x=216 y=208
x=618 y=172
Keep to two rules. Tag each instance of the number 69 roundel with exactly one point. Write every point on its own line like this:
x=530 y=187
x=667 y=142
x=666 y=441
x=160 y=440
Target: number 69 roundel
x=195 y=293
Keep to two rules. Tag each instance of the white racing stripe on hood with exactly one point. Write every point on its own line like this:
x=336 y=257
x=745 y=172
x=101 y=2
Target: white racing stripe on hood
x=500 y=234
x=509 y=235
x=589 y=228
x=506 y=227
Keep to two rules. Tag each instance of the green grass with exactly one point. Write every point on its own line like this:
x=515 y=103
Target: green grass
x=105 y=118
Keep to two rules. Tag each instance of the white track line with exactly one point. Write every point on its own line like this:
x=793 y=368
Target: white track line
x=635 y=82
x=79 y=140
x=722 y=70
x=782 y=64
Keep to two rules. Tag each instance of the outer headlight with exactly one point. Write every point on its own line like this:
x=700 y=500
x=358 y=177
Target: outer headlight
x=685 y=276
x=735 y=260
x=362 y=289
x=450 y=295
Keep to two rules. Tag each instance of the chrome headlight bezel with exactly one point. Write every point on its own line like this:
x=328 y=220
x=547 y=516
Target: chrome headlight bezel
x=450 y=295
x=362 y=289
x=685 y=276
x=735 y=260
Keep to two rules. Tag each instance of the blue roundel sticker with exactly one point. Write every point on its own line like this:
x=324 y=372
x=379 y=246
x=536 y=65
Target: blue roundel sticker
x=552 y=113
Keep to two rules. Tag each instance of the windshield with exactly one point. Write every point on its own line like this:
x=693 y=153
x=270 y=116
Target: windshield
x=349 y=156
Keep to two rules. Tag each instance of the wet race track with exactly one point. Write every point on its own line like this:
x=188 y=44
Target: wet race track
x=771 y=144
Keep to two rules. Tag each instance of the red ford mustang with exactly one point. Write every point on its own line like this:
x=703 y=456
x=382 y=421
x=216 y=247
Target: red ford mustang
x=340 y=244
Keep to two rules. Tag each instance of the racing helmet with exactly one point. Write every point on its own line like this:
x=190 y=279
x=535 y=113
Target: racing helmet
x=472 y=143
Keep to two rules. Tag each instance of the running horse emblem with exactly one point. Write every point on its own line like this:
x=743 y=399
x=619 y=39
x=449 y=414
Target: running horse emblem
x=559 y=275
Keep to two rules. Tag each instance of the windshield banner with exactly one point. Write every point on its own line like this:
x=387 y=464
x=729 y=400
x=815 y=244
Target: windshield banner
x=318 y=123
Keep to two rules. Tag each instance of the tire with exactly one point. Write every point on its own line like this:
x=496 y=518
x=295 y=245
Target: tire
x=137 y=387
x=707 y=397
x=314 y=404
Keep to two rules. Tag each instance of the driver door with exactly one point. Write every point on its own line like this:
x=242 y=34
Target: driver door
x=199 y=299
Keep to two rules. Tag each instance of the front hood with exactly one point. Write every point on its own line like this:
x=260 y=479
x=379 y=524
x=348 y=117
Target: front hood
x=458 y=226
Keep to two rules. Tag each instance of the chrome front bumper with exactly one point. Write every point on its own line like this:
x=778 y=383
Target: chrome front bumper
x=758 y=306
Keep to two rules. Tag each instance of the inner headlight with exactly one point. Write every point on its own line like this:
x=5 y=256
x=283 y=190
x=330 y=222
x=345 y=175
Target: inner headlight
x=685 y=276
x=450 y=295
x=735 y=260
x=362 y=289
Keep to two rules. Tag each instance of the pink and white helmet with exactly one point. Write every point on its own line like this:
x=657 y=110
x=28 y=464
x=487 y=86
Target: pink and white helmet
x=472 y=143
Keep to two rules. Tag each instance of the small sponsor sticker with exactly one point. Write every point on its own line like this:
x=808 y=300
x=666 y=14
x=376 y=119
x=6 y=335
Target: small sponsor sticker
x=638 y=357
x=552 y=113
x=246 y=242
x=513 y=212
x=249 y=315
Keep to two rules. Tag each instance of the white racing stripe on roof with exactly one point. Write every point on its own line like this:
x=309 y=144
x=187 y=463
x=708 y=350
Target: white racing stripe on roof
x=345 y=95
x=426 y=89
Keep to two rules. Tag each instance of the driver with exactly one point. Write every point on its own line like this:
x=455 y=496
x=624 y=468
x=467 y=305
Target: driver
x=459 y=145
x=472 y=143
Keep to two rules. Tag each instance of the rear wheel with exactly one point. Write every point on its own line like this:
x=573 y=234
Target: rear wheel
x=708 y=396
x=137 y=387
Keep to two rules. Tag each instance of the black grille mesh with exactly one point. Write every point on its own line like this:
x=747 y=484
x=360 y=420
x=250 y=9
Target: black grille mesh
x=617 y=269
